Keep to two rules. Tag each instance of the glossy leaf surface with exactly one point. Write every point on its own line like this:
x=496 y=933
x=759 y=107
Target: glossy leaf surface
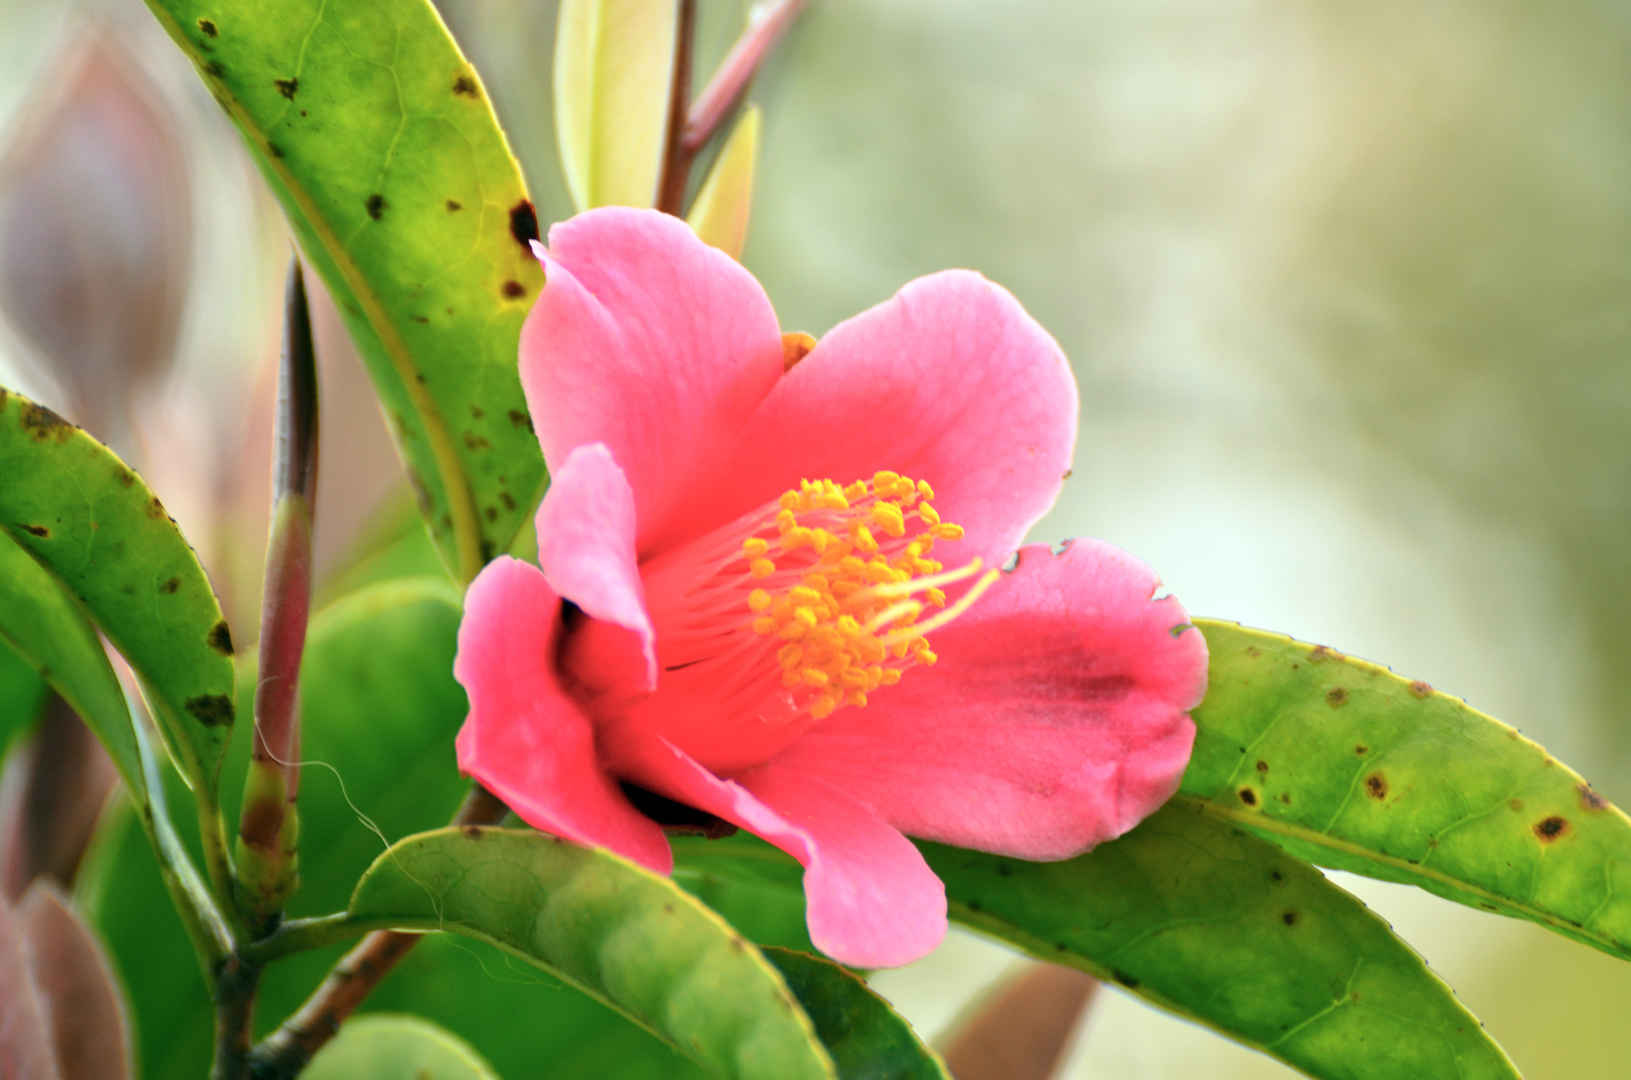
x=614 y=62
x=1203 y=919
x=396 y=1048
x=865 y=1036
x=91 y=521
x=381 y=708
x=378 y=138
x=616 y=931
x=42 y=624
x=1350 y=766
x=22 y=697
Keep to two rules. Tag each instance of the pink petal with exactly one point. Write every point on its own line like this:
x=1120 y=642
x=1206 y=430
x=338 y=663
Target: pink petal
x=650 y=341
x=586 y=532
x=1054 y=720
x=871 y=899
x=525 y=739
x=950 y=382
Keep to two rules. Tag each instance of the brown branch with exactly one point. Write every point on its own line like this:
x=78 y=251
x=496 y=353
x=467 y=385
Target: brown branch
x=735 y=74
x=235 y=984
x=676 y=158
x=287 y=1050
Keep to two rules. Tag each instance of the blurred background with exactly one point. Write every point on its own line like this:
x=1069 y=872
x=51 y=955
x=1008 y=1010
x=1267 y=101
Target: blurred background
x=1347 y=289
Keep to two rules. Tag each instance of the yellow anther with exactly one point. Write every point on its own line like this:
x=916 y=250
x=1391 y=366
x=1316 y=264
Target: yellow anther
x=805 y=617
x=796 y=537
x=790 y=655
x=818 y=582
x=762 y=568
x=924 y=490
x=848 y=627
x=822 y=707
x=928 y=513
x=948 y=531
x=792 y=630
x=924 y=656
x=764 y=625
x=856 y=491
x=787 y=519
x=753 y=547
x=803 y=595
x=814 y=677
x=884 y=480
x=934 y=596
x=789 y=501
x=758 y=600
x=791 y=679
x=891 y=676
x=864 y=541
x=889 y=518
x=856 y=698
x=836 y=552
x=879 y=571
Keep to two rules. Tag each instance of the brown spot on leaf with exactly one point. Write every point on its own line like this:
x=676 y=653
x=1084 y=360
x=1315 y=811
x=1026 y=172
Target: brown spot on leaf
x=208 y=28
x=520 y=419
x=1262 y=766
x=454 y=206
x=1589 y=799
x=1516 y=804
x=490 y=513
x=214 y=70
x=211 y=710
x=220 y=638
x=1289 y=918
x=465 y=86
x=513 y=290
x=154 y=509
x=524 y=224
x=476 y=442
x=1421 y=689
x=1550 y=828
x=1323 y=652
x=42 y=423
x=1361 y=750
x=277 y=151
x=1124 y=979
x=505 y=498
x=35 y=530
x=377 y=206
x=1276 y=875
x=473 y=831
x=287 y=87
x=1336 y=697
x=1376 y=786
x=171 y=586
x=1248 y=796
x=123 y=475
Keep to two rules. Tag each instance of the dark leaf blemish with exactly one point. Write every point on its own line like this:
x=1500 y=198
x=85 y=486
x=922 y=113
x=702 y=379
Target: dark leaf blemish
x=1289 y=918
x=1248 y=796
x=41 y=423
x=1263 y=766
x=465 y=86
x=1549 y=829
x=1589 y=799
x=36 y=530
x=1124 y=979
x=171 y=586
x=208 y=28
x=524 y=224
x=1361 y=750
x=275 y=150
x=214 y=70
x=454 y=206
x=287 y=87
x=211 y=710
x=1376 y=786
x=376 y=206
x=520 y=419
x=1420 y=688
x=220 y=638
x=513 y=290
x=1336 y=697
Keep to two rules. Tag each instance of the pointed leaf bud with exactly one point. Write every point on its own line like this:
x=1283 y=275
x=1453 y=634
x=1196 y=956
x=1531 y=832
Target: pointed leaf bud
x=614 y=62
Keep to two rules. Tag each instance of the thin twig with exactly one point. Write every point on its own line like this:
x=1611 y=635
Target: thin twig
x=287 y=1050
x=235 y=985
x=676 y=158
x=735 y=74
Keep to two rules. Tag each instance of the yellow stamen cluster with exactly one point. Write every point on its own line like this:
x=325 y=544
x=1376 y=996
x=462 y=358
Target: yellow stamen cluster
x=844 y=583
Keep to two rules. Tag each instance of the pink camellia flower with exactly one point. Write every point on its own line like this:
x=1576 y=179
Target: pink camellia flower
x=742 y=552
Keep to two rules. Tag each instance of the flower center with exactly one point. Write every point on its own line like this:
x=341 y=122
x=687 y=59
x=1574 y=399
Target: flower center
x=798 y=609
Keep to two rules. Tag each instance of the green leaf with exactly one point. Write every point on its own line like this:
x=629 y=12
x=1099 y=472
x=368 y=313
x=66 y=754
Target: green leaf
x=380 y=707
x=377 y=137
x=1207 y=921
x=1347 y=765
x=381 y=1047
x=22 y=694
x=614 y=930
x=40 y=622
x=865 y=1036
x=614 y=63
x=719 y=215
x=90 y=520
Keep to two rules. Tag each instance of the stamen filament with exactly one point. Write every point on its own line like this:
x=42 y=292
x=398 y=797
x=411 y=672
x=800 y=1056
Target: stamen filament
x=941 y=618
